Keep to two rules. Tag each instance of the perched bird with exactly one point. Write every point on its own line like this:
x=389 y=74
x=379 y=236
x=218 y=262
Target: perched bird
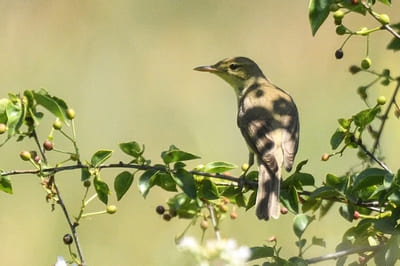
x=269 y=122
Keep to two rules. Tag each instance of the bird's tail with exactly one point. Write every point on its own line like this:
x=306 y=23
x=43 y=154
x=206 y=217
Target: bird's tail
x=267 y=202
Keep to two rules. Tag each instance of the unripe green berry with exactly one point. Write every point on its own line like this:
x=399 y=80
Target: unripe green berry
x=366 y=63
x=340 y=30
x=57 y=125
x=363 y=31
x=74 y=157
x=223 y=208
x=68 y=239
x=25 y=155
x=245 y=167
x=70 y=113
x=384 y=19
x=338 y=14
x=111 y=209
x=3 y=128
x=381 y=100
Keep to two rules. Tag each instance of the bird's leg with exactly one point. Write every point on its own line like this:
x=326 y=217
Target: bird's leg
x=245 y=170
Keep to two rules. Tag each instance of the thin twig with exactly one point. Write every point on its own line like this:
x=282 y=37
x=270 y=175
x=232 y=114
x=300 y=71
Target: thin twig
x=214 y=222
x=35 y=137
x=385 y=117
x=342 y=253
x=373 y=157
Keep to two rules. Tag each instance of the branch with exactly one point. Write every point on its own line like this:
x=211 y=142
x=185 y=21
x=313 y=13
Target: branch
x=385 y=116
x=373 y=157
x=342 y=253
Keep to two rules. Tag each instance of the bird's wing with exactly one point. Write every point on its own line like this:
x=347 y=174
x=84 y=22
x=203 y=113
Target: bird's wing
x=290 y=138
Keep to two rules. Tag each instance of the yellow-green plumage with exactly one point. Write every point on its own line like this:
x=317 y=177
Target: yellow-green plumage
x=268 y=120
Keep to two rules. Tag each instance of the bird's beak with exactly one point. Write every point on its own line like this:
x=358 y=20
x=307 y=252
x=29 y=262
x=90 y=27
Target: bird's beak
x=210 y=69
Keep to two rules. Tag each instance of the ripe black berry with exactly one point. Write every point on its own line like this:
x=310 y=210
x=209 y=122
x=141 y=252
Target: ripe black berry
x=160 y=209
x=67 y=239
x=339 y=53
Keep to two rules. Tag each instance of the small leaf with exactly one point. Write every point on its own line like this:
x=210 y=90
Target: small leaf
x=252 y=200
x=261 y=252
x=186 y=182
x=102 y=189
x=165 y=181
x=208 y=190
x=218 y=167
x=15 y=114
x=386 y=2
x=176 y=155
x=5 y=184
x=347 y=212
x=132 y=148
x=368 y=177
x=318 y=11
x=337 y=139
x=100 y=157
x=300 y=223
x=326 y=192
x=146 y=181
x=297 y=261
x=340 y=183
x=49 y=103
x=344 y=123
x=316 y=241
x=3 y=110
x=300 y=165
x=85 y=174
x=363 y=118
x=122 y=183
x=392 y=251
x=290 y=199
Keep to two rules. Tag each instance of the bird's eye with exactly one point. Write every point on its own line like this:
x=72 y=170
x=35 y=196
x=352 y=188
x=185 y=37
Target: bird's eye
x=233 y=66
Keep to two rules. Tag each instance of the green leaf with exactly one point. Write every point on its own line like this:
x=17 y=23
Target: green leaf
x=318 y=11
x=394 y=45
x=297 y=261
x=176 y=155
x=184 y=206
x=102 y=189
x=300 y=165
x=15 y=116
x=290 y=199
x=363 y=118
x=146 y=181
x=165 y=181
x=316 y=241
x=186 y=182
x=340 y=183
x=54 y=105
x=326 y=205
x=100 y=157
x=347 y=212
x=344 y=123
x=85 y=174
x=132 y=148
x=122 y=183
x=5 y=184
x=300 y=223
x=261 y=252
x=208 y=190
x=337 y=139
x=311 y=204
x=252 y=200
x=326 y=192
x=301 y=243
x=386 y=2
x=368 y=177
x=218 y=167
x=3 y=110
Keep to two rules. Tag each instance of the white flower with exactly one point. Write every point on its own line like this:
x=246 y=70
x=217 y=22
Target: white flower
x=61 y=262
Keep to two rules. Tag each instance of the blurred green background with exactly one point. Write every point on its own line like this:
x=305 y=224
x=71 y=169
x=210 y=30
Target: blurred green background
x=126 y=68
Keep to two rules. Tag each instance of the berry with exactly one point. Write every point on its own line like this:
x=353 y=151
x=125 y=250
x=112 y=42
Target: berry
x=325 y=157
x=204 y=224
x=284 y=210
x=57 y=125
x=74 y=157
x=245 y=167
x=25 y=155
x=356 y=215
x=70 y=113
x=234 y=215
x=381 y=100
x=223 y=208
x=354 y=69
x=363 y=31
x=397 y=112
x=366 y=63
x=339 y=53
x=384 y=19
x=87 y=183
x=160 y=209
x=340 y=30
x=166 y=217
x=3 y=128
x=338 y=14
x=272 y=239
x=37 y=159
x=111 y=209
x=48 y=145
x=355 y=2
x=67 y=238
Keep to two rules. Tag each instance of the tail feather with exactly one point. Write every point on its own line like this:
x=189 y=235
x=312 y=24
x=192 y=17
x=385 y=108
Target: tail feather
x=267 y=201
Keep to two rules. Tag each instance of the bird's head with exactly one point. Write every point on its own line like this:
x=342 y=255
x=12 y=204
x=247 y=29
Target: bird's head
x=239 y=72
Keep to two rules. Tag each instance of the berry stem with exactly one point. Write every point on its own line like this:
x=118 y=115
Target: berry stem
x=214 y=221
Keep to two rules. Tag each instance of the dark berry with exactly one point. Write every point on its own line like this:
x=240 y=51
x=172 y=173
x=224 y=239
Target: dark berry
x=160 y=209
x=48 y=145
x=354 y=69
x=67 y=239
x=166 y=217
x=339 y=54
